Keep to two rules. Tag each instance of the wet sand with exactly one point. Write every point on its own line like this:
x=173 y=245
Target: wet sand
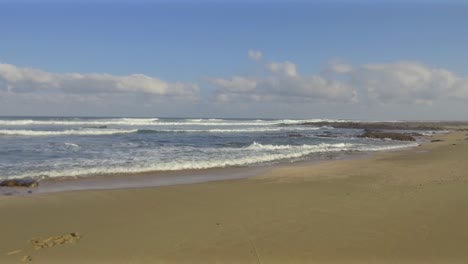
x=408 y=206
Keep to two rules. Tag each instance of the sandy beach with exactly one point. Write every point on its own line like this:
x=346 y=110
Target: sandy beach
x=407 y=206
x=233 y=132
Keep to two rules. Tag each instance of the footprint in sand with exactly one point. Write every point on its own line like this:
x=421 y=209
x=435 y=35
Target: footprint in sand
x=39 y=243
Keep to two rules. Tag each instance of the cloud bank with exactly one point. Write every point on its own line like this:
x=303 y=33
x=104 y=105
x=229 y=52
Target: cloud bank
x=278 y=88
x=18 y=80
x=406 y=82
x=402 y=82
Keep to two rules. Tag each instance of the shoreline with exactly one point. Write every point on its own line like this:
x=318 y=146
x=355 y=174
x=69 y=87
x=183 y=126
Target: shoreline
x=395 y=207
x=152 y=179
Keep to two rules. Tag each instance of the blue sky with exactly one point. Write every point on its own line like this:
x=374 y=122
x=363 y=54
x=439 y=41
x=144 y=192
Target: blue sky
x=202 y=43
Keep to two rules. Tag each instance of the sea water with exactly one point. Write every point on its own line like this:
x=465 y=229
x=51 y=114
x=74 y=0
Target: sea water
x=42 y=147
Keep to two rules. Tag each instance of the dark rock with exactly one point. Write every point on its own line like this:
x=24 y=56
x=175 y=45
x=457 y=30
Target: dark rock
x=389 y=135
x=26 y=259
x=29 y=183
x=382 y=125
x=436 y=140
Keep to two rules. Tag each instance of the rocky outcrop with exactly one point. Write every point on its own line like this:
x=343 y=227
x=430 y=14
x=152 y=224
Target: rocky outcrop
x=380 y=125
x=29 y=183
x=387 y=135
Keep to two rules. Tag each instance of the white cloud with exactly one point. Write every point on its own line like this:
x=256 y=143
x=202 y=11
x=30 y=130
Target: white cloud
x=407 y=82
x=255 y=55
x=385 y=83
x=340 y=67
x=377 y=89
x=286 y=68
x=283 y=88
x=285 y=84
x=15 y=79
x=236 y=84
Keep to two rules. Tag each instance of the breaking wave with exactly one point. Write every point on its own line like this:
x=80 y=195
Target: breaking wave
x=255 y=153
x=81 y=122
x=84 y=132
x=318 y=148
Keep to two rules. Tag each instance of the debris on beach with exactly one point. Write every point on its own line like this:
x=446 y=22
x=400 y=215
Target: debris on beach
x=40 y=243
x=436 y=140
x=29 y=183
x=14 y=252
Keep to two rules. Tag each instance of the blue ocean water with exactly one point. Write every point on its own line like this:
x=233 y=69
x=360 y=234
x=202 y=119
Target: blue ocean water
x=82 y=146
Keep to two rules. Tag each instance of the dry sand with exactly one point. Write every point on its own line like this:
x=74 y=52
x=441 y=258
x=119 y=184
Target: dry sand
x=400 y=207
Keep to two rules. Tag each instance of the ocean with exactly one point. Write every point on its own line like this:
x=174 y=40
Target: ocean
x=62 y=147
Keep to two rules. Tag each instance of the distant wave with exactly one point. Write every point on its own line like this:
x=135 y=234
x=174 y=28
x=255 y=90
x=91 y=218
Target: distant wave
x=204 y=119
x=84 y=132
x=72 y=145
x=233 y=130
x=156 y=122
x=33 y=133
x=81 y=122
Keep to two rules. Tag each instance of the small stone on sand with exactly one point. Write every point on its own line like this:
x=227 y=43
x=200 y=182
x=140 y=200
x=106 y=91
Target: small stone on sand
x=26 y=259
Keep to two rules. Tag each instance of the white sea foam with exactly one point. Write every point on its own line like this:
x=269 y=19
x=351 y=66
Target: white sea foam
x=383 y=148
x=225 y=158
x=210 y=158
x=82 y=132
x=318 y=148
x=72 y=145
x=430 y=133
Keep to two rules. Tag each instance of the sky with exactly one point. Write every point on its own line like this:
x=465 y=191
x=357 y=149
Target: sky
x=369 y=60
